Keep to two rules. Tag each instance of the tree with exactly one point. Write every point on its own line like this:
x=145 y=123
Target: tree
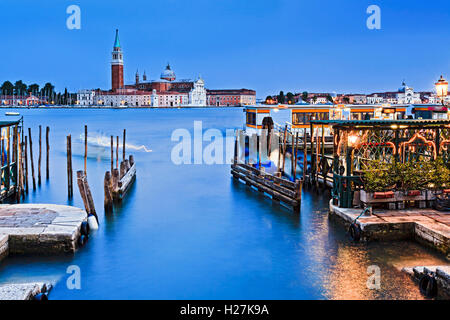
x=20 y=88
x=290 y=98
x=7 y=88
x=330 y=98
x=269 y=100
x=281 y=98
x=305 y=96
x=47 y=90
x=346 y=100
x=66 y=96
x=33 y=88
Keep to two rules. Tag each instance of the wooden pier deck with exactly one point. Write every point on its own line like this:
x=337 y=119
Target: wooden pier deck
x=39 y=228
x=427 y=226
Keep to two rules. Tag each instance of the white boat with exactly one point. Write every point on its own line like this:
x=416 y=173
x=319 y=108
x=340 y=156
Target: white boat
x=12 y=114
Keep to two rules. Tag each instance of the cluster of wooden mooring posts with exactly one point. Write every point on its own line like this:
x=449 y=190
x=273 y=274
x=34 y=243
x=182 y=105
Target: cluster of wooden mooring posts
x=249 y=166
x=116 y=182
x=308 y=152
x=21 y=155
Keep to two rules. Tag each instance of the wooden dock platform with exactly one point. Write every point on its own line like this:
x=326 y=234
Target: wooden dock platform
x=426 y=226
x=39 y=228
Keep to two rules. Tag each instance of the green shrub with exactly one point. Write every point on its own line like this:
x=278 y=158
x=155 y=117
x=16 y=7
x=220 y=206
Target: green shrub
x=411 y=175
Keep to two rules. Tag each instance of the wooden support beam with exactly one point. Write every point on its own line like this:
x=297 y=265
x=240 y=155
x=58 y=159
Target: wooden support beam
x=108 y=202
x=124 y=144
x=31 y=158
x=40 y=155
x=85 y=148
x=26 y=164
x=47 y=144
x=69 y=167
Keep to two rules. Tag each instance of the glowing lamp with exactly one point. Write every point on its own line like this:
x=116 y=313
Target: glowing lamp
x=353 y=140
x=441 y=87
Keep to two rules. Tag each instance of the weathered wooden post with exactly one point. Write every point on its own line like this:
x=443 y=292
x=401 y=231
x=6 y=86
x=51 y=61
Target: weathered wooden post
x=69 y=167
x=124 y=135
x=18 y=165
x=108 y=202
x=298 y=195
x=235 y=148
x=85 y=149
x=81 y=187
x=40 y=155
x=305 y=154
x=112 y=153
x=323 y=158
x=115 y=180
x=86 y=194
x=294 y=157
x=131 y=160
x=8 y=161
x=26 y=164
x=117 y=152
x=47 y=144
x=122 y=169
x=284 y=149
x=31 y=158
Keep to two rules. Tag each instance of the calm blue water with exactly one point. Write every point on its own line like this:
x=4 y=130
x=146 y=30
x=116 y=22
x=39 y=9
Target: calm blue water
x=191 y=232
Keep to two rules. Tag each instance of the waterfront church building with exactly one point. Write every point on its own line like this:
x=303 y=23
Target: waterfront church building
x=164 y=92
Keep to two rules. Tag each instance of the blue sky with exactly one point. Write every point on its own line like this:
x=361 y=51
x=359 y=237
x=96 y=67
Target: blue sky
x=290 y=45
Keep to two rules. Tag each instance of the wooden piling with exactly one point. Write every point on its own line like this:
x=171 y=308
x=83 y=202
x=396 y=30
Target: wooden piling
x=124 y=135
x=108 y=202
x=26 y=164
x=47 y=145
x=8 y=160
x=115 y=179
x=294 y=156
x=18 y=165
x=112 y=154
x=131 y=160
x=69 y=167
x=122 y=169
x=85 y=193
x=81 y=187
x=22 y=166
x=31 y=158
x=305 y=155
x=117 y=152
x=284 y=149
x=40 y=155
x=85 y=149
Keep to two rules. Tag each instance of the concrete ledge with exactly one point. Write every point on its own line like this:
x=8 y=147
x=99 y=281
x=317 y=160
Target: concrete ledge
x=426 y=226
x=40 y=228
x=440 y=273
x=4 y=246
x=23 y=291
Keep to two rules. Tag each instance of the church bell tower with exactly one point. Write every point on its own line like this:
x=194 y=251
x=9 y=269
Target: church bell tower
x=117 y=65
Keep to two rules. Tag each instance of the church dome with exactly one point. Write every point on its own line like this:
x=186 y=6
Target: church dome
x=168 y=74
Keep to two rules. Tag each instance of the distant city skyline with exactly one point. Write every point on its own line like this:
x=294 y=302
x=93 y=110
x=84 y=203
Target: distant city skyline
x=267 y=46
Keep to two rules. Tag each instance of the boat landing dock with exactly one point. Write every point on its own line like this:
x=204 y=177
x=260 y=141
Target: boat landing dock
x=427 y=226
x=39 y=228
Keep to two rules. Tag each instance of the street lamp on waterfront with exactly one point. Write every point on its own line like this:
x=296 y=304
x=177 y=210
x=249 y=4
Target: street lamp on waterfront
x=441 y=89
